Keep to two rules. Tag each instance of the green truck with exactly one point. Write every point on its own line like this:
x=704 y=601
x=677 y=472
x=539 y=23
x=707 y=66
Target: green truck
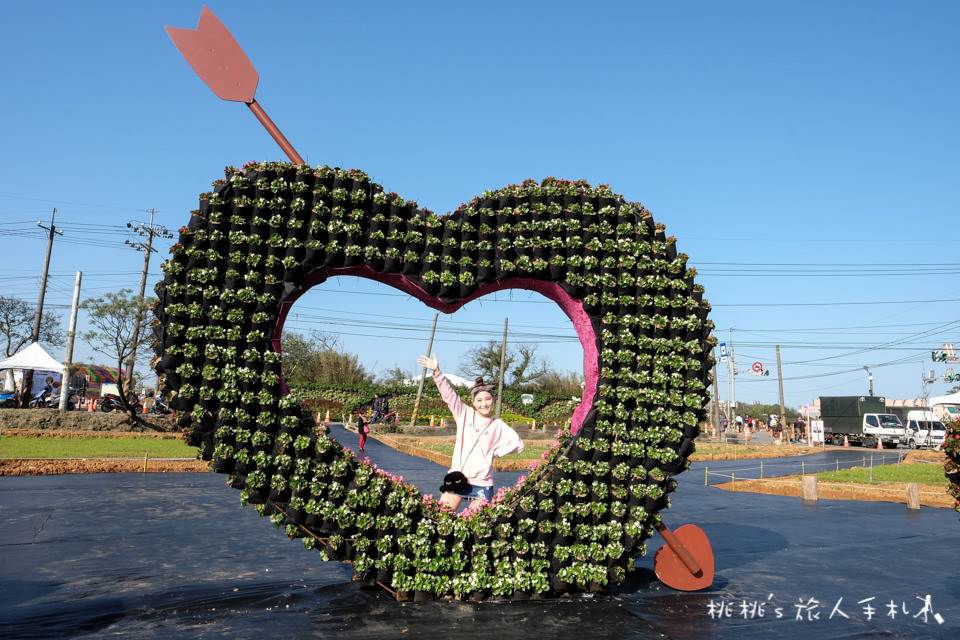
x=859 y=420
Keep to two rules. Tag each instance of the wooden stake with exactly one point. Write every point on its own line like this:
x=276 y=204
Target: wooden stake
x=913 y=495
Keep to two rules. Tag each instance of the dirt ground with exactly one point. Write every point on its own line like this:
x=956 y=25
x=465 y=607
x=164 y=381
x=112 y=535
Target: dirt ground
x=55 y=467
x=82 y=424
x=930 y=495
x=54 y=420
x=45 y=423
x=705 y=450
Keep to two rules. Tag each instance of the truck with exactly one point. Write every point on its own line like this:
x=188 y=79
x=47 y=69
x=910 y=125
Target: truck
x=859 y=420
x=923 y=430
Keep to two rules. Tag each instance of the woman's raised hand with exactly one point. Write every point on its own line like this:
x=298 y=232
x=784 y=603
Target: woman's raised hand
x=429 y=363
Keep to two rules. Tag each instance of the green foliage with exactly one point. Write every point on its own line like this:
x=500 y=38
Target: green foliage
x=348 y=398
x=951 y=466
x=560 y=384
x=121 y=325
x=920 y=473
x=16 y=326
x=317 y=359
x=520 y=363
x=763 y=412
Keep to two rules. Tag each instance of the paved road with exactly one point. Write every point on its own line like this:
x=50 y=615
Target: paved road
x=176 y=556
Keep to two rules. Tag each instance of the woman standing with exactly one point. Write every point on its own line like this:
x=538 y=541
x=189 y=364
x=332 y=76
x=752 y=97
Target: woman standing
x=480 y=438
x=362 y=429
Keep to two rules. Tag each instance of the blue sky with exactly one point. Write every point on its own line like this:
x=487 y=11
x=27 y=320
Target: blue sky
x=804 y=154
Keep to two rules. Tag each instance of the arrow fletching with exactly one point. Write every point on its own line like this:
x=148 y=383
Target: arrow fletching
x=217 y=58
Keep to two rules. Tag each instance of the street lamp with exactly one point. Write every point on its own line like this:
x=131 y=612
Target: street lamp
x=871 y=379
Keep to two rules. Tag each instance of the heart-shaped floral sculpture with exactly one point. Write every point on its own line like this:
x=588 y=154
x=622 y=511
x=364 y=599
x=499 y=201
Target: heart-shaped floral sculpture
x=576 y=522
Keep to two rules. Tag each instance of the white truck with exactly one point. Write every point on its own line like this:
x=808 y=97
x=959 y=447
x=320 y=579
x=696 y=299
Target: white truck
x=923 y=430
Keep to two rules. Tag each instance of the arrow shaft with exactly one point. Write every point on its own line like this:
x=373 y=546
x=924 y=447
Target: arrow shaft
x=275 y=132
x=677 y=547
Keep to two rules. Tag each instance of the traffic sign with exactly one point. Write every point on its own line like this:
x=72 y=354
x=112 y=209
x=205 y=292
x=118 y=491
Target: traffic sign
x=723 y=352
x=757 y=366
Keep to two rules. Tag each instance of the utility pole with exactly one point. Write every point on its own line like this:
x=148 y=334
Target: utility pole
x=780 y=381
x=715 y=413
x=423 y=374
x=149 y=231
x=926 y=379
x=503 y=355
x=732 y=377
x=43 y=281
x=71 y=334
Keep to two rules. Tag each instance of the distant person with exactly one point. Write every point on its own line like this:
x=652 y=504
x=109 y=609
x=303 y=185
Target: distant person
x=480 y=439
x=362 y=429
x=380 y=408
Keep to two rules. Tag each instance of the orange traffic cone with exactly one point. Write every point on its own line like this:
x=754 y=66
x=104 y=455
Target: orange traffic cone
x=91 y=405
x=746 y=435
x=879 y=443
x=846 y=442
x=327 y=419
x=433 y=421
x=396 y=419
x=318 y=417
x=533 y=427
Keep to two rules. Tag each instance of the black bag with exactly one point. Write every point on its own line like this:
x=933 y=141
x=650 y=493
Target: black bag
x=455 y=482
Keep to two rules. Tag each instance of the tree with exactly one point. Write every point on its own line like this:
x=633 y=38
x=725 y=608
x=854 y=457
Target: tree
x=16 y=326
x=335 y=367
x=113 y=318
x=560 y=384
x=520 y=364
x=397 y=377
x=300 y=352
x=763 y=412
x=317 y=358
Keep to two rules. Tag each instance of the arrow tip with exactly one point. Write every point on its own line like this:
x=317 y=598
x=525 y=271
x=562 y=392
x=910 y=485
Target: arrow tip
x=217 y=58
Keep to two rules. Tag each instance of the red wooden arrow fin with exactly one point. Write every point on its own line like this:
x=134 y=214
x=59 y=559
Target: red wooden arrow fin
x=217 y=58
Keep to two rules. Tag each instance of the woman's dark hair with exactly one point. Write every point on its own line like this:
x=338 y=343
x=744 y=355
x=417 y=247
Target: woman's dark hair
x=478 y=387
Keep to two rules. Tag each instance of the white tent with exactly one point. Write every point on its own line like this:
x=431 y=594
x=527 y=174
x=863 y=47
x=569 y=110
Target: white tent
x=953 y=398
x=33 y=357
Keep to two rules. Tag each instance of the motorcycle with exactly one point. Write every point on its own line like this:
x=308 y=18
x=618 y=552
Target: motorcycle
x=45 y=400
x=159 y=407
x=8 y=401
x=51 y=400
x=111 y=401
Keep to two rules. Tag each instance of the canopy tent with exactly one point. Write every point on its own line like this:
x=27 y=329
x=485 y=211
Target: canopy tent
x=96 y=376
x=32 y=357
x=953 y=398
